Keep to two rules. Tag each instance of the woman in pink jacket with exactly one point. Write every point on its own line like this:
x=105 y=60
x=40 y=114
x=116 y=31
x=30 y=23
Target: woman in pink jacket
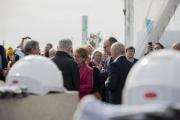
x=86 y=72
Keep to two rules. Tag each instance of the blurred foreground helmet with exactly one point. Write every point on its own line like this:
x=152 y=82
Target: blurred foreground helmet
x=39 y=74
x=90 y=108
x=154 y=79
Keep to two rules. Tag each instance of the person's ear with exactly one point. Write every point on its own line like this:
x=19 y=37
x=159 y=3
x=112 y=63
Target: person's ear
x=32 y=50
x=71 y=50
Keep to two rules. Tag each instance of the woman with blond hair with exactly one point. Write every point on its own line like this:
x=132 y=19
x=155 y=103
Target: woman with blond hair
x=86 y=72
x=96 y=59
x=9 y=53
x=10 y=57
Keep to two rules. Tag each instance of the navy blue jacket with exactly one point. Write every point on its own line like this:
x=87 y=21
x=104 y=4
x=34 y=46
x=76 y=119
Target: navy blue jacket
x=117 y=76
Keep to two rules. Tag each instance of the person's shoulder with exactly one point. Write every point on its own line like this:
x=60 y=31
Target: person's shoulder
x=120 y=59
x=87 y=68
x=114 y=64
x=63 y=56
x=123 y=57
x=72 y=63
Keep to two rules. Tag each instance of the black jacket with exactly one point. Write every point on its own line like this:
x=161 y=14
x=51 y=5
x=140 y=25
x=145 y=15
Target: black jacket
x=69 y=70
x=3 y=62
x=117 y=77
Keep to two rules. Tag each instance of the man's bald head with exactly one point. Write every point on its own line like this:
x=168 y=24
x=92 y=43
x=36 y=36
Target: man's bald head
x=117 y=49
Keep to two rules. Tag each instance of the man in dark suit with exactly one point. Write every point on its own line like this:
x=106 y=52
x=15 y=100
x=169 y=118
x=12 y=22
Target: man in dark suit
x=118 y=72
x=107 y=49
x=3 y=62
x=104 y=71
x=130 y=51
x=67 y=65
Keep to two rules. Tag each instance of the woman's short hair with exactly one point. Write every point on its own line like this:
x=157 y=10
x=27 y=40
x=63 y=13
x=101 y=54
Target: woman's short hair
x=83 y=52
x=130 y=48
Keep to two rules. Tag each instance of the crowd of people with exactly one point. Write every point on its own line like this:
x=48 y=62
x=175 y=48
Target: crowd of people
x=85 y=69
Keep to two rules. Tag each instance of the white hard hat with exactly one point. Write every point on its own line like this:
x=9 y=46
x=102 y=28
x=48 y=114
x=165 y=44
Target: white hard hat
x=90 y=108
x=154 y=79
x=39 y=74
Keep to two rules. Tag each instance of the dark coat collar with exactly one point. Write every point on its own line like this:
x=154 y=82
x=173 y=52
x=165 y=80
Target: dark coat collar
x=62 y=53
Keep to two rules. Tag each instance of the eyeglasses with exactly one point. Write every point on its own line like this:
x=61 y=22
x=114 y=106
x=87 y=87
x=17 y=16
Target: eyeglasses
x=97 y=55
x=77 y=56
x=106 y=46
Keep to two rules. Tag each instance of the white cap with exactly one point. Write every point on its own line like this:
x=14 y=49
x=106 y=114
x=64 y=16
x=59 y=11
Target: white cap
x=154 y=79
x=39 y=74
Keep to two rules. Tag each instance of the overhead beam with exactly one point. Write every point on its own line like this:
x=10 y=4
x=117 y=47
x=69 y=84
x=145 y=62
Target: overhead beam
x=160 y=25
x=129 y=22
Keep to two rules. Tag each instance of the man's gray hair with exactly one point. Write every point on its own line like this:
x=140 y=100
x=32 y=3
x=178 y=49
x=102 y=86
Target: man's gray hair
x=30 y=45
x=118 y=47
x=65 y=43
